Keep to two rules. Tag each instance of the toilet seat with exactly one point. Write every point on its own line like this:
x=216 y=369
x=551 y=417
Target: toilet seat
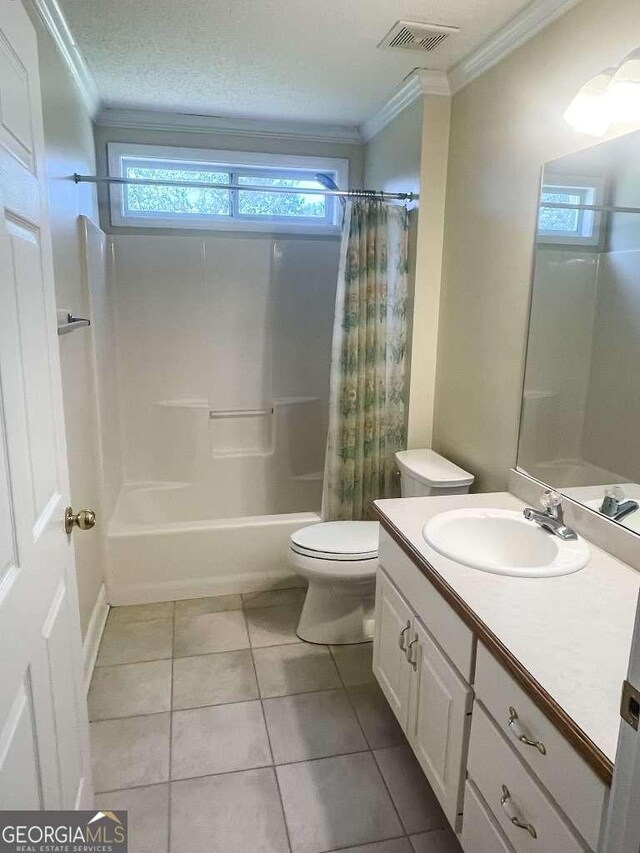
x=337 y=540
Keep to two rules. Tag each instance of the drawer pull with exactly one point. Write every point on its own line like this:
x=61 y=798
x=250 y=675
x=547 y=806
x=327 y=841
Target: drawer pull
x=516 y=728
x=412 y=661
x=403 y=648
x=510 y=810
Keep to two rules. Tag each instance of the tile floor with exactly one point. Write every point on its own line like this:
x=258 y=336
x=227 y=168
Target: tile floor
x=220 y=731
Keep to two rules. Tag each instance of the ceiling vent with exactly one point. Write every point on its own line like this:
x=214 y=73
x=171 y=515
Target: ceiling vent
x=411 y=35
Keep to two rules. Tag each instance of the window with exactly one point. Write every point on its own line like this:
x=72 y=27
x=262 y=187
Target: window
x=210 y=207
x=566 y=225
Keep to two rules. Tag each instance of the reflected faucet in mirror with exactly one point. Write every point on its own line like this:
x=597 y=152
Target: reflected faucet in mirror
x=615 y=506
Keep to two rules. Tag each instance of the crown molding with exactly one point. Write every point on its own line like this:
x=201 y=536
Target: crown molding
x=53 y=19
x=520 y=29
x=420 y=82
x=152 y=120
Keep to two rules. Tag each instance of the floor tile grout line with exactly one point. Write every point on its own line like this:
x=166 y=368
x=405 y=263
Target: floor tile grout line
x=393 y=802
x=266 y=728
x=345 y=687
x=256 y=767
x=364 y=734
x=232 y=772
x=256 y=698
x=367 y=844
x=249 y=648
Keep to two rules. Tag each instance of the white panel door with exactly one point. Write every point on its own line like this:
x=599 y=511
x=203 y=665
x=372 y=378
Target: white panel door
x=43 y=724
x=439 y=721
x=393 y=624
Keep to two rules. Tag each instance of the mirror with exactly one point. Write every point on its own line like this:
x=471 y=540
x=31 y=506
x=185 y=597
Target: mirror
x=580 y=420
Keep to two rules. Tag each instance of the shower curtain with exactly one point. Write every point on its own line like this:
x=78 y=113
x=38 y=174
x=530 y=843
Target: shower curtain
x=367 y=417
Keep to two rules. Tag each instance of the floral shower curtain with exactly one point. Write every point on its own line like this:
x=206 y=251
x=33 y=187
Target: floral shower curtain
x=367 y=417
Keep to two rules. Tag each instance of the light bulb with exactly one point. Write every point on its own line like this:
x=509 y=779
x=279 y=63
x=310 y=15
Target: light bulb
x=623 y=95
x=589 y=111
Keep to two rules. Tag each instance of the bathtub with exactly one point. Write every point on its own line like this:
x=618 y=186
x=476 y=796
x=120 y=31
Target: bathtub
x=164 y=543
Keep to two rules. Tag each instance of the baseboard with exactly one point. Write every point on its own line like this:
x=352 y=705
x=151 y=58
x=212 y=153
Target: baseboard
x=94 y=635
x=177 y=590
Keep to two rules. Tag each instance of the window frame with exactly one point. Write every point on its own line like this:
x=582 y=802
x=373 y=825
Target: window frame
x=240 y=164
x=581 y=184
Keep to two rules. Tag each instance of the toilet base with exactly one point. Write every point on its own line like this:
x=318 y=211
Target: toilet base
x=337 y=613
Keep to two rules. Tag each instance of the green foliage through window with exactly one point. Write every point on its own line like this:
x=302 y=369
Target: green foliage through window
x=192 y=202
x=280 y=204
x=564 y=224
x=178 y=201
x=558 y=218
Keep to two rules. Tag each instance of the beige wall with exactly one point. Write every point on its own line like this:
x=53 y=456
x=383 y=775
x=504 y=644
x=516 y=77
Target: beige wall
x=392 y=156
x=504 y=126
x=410 y=154
x=69 y=148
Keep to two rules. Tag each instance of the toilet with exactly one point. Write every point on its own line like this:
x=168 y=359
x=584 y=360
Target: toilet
x=339 y=559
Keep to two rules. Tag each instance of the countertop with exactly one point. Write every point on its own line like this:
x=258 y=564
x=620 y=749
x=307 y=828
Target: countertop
x=572 y=634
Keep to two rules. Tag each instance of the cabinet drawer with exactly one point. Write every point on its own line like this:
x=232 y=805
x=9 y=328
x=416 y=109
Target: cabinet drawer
x=569 y=779
x=441 y=620
x=480 y=830
x=501 y=775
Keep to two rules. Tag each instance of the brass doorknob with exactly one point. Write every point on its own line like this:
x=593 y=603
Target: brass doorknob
x=85 y=519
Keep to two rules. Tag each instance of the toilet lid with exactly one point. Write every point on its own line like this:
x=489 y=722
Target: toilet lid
x=338 y=540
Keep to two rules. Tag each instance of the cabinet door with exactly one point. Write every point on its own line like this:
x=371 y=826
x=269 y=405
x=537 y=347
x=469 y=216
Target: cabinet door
x=439 y=721
x=393 y=626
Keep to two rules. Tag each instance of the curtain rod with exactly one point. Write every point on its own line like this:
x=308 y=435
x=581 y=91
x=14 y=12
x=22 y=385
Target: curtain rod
x=597 y=207
x=364 y=195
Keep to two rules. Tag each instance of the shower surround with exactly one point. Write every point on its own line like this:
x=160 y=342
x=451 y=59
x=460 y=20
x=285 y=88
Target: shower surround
x=222 y=349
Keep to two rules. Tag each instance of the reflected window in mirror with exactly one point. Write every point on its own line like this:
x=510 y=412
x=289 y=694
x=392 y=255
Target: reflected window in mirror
x=563 y=216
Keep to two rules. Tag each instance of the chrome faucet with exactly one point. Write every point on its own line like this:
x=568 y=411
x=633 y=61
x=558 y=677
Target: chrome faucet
x=614 y=505
x=552 y=519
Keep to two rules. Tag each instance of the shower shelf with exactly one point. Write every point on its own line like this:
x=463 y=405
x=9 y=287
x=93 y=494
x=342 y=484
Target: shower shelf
x=239 y=413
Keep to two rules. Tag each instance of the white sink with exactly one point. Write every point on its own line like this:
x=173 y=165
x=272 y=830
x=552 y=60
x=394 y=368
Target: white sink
x=502 y=541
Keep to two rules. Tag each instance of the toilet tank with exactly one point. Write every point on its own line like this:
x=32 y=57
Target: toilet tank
x=424 y=472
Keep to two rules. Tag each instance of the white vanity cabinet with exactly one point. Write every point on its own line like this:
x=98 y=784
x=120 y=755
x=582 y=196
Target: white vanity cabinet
x=429 y=697
x=507 y=778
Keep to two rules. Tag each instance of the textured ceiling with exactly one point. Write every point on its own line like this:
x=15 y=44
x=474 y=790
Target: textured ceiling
x=308 y=60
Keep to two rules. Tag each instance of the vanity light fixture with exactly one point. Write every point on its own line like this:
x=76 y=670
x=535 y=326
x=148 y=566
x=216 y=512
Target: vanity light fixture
x=623 y=94
x=612 y=96
x=589 y=111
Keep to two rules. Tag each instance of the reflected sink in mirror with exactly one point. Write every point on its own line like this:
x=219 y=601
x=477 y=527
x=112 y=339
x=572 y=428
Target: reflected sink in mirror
x=503 y=542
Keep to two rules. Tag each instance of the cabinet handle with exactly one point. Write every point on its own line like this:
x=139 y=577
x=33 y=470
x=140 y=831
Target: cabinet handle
x=518 y=732
x=403 y=648
x=414 y=663
x=510 y=810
